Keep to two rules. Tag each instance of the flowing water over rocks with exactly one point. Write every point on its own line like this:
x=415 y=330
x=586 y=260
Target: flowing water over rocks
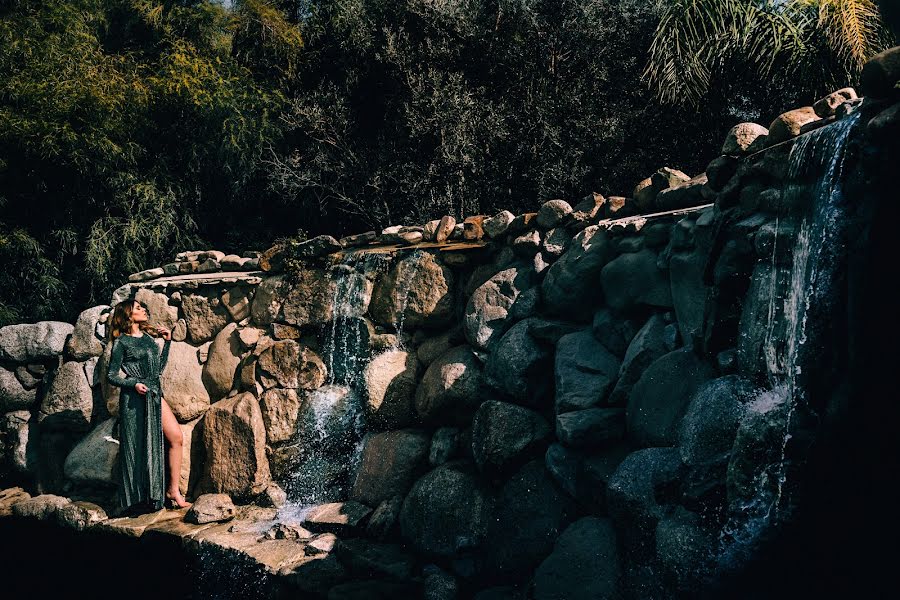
x=760 y=476
x=574 y=402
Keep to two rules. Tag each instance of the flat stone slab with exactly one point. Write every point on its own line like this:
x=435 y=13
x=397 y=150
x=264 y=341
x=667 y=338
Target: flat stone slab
x=176 y=528
x=638 y=221
x=247 y=276
x=273 y=555
x=135 y=526
x=388 y=248
x=336 y=517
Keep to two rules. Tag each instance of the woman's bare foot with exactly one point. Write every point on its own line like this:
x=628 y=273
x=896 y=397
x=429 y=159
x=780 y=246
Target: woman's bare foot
x=176 y=500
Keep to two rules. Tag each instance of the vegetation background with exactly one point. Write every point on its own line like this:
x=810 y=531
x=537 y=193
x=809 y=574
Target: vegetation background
x=131 y=129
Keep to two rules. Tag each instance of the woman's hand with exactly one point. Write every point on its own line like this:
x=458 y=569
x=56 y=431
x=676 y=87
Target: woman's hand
x=164 y=332
x=140 y=388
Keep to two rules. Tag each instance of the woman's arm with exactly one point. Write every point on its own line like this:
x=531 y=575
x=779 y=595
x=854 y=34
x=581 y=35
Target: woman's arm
x=164 y=357
x=115 y=365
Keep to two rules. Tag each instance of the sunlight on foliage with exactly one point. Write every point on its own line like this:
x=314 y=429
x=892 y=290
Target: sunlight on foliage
x=821 y=43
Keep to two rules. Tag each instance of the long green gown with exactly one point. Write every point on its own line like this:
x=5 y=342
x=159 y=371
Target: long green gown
x=141 y=451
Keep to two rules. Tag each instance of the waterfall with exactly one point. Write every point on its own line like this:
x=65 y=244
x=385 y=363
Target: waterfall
x=814 y=182
x=331 y=424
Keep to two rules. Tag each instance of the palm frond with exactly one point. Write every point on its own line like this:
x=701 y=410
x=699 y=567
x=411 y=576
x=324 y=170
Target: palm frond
x=696 y=37
x=853 y=29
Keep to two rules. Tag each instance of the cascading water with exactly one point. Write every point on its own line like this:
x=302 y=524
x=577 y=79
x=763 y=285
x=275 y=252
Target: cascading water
x=331 y=424
x=796 y=294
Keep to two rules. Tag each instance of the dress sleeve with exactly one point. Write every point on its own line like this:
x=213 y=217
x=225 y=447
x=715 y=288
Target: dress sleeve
x=164 y=357
x=115 y=365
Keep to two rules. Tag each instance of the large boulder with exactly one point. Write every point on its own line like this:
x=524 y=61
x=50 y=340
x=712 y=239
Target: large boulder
x=688 y=291
x=191 y=455
x=570 y=288
x=391 y=379
x=553 y=213
x=93 y=459
x=13 y=395
x=320 y=245
x=638 y=494
x=159 y=311
x=267 y=300
x=433 y=347
x=756 y=469
x=288 y=364
x=505 y=435
x=390 y=463
x=84 y=344
x=447 y=512
x=450 y=387
x=237 y=301
x=585 y=371
x=211 y=508
x=80 y=515
x=182 y=383
x=16 y=428
x=205 y=315
x=367 y=558
x=585 y=476
x=69 y=401
x=591 y=428
x=498 y=224
x=613 y=331
x=33 y=342
x=633 y=280
x=787 y=125
x=520 y=367
x=660 y=398
x=417 y=292
x=685 y=548
x=827 y=106
x=584 y=564
x=712 y=418
x=42 y=507
x=309 y=299
x=222 y=362
x=234 y=437
x=530 y=514
x=488 y=308
x=880 y=74
x=647 y=346
x=741 y=137
x=280 y=409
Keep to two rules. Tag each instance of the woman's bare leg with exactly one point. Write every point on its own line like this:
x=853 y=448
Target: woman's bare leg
x=172 y=433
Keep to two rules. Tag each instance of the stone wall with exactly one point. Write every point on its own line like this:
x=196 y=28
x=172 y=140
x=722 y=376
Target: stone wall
x=570 y=403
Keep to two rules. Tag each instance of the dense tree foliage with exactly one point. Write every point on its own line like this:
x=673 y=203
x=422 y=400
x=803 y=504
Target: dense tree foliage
x=127 y=129
x=131 y=129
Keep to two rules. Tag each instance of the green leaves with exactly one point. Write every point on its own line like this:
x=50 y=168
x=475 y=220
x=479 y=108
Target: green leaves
x=127 y=129
x=697 y=41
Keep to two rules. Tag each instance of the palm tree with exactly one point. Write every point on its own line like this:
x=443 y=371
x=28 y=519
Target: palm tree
x=819 y=43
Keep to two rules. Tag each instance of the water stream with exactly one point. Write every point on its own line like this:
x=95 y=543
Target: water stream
x=331 y=424
x=815 y=176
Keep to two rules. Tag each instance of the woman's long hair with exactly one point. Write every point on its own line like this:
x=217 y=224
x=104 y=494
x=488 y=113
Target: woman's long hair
x=120 y=322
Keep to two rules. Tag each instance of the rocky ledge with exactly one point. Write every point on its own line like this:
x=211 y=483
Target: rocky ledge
x=316 y=550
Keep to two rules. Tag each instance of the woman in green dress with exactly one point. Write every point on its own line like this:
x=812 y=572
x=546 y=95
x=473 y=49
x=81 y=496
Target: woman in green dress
x=145 y=418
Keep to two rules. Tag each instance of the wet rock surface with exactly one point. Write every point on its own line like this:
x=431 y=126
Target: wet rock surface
x=561 y=404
